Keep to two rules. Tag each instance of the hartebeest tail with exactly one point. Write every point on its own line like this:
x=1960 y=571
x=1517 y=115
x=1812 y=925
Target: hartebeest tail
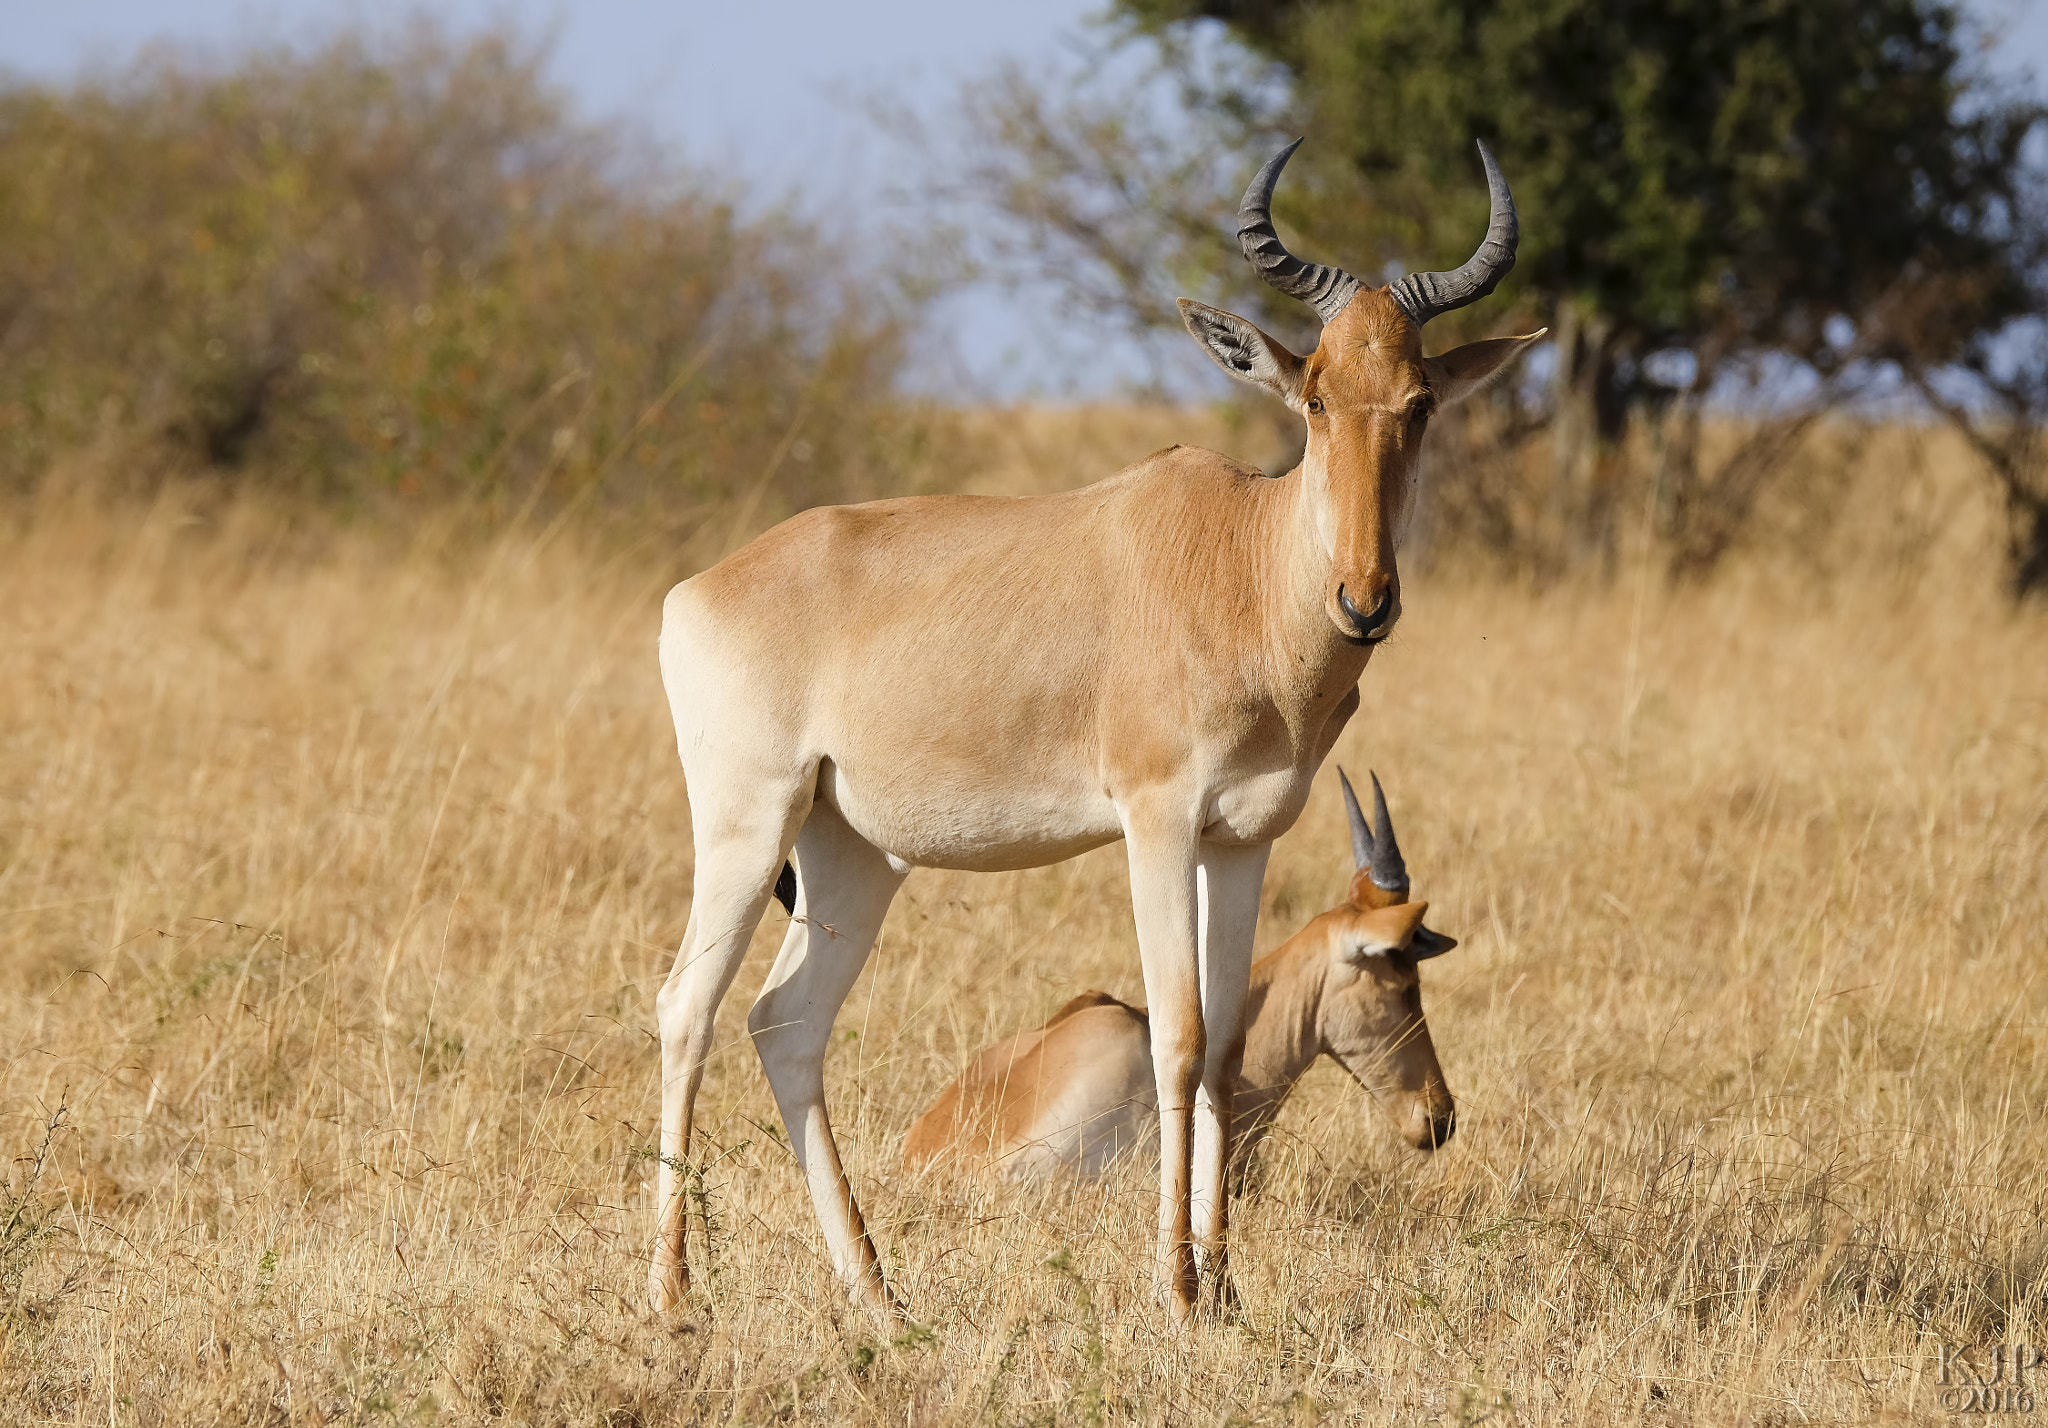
x=1077 y=1092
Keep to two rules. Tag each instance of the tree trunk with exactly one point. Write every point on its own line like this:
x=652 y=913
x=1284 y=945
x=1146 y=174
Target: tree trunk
x=2026 y=543
x=2015 y=450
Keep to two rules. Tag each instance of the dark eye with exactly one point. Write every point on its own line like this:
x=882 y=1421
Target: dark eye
x=1315 y=406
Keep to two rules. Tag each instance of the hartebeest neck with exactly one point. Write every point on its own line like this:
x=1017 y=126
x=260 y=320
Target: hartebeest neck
x=1300 y=534
x=1283 y=1035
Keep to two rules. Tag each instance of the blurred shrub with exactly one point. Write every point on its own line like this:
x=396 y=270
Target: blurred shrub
x=387 y=269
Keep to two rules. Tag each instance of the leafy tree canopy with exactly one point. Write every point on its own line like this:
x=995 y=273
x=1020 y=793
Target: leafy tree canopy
x=1723 y=172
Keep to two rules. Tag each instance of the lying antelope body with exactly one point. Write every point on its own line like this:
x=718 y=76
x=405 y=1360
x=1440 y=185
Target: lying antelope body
x=1077 y=1092
x=969 y=682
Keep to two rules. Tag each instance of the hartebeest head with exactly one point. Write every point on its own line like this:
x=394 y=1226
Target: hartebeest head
x=1366 y=392
x=1372 y=1020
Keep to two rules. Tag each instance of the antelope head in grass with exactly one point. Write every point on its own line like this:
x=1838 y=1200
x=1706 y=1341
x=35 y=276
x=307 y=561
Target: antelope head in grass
x=1076 y=1093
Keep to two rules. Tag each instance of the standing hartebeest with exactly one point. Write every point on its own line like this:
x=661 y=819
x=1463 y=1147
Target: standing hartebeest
x=985 y=683
x=1078 y=1092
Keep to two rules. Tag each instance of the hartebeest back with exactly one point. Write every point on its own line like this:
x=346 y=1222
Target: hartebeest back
x=969 y=682
x=1077 y=1092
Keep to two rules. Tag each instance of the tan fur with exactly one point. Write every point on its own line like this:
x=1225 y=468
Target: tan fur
x=985 y=683
x=1073 y=1094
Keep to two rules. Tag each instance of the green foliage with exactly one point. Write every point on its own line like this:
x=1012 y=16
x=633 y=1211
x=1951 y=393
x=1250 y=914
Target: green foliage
x=380 y=270
x=1724 y=173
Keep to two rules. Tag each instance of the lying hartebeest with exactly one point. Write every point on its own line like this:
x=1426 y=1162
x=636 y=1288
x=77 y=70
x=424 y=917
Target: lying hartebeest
x=972 y=682
x=1078 y=1092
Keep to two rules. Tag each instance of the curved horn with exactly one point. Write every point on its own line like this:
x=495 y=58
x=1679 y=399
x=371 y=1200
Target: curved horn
x=1388 y=871
x=1424 y=295
x=1326 y=290
x=1361 y=836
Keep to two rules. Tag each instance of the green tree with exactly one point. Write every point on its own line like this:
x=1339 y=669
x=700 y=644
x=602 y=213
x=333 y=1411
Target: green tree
x=1703 y=185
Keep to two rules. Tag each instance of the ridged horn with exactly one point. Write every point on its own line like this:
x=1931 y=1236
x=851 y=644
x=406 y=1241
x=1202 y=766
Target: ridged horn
x=1424 y=295
x=1388 y=871
x=1361 y=836
x=1325 y=289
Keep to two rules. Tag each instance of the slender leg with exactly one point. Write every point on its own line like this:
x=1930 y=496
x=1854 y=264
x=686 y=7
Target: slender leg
x=844 y=888
x=1162 y=857
x=1228 y=880
x=741 y=843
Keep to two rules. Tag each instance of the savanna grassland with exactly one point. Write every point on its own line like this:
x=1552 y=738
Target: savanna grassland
x=338 y=866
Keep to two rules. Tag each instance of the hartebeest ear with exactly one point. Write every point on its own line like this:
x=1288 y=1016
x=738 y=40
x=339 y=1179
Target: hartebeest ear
x=1388 y=930
x=1428 y=942
x=1242 y=350
x=1458 y=373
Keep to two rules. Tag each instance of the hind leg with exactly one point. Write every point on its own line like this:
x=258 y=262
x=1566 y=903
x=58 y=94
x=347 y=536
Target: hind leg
x=742 y=834
x=845 y=885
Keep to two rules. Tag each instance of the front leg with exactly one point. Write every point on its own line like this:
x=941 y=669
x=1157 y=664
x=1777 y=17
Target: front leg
x=1229 y=879
x=1162 y=850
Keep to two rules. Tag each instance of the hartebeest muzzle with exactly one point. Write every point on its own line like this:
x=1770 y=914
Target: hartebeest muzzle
x=1407 y=1084
x=1369 y=627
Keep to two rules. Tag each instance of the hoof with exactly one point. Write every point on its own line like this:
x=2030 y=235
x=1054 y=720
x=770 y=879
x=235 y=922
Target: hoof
x=872 y=1292
x=1218 y=1294
x=668 y=1282
x=1176 y=1294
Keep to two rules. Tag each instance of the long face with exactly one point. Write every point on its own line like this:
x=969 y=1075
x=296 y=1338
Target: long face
x=1373 y=1022
x=1367 y=396
x=1366 y=392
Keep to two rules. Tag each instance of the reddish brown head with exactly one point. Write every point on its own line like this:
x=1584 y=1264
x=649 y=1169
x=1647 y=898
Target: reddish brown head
x=1372 y=1020
x=1366 y=392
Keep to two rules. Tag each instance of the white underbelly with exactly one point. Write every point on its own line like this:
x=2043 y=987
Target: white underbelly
x=938 y=823
x=993 y=815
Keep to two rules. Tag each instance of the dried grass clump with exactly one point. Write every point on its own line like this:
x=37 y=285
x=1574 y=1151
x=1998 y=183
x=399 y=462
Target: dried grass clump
x=337 y=874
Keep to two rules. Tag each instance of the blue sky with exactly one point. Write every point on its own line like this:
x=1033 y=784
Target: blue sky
x=771 y=89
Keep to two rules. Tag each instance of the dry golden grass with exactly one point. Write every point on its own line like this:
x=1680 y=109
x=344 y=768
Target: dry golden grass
x=336 y=875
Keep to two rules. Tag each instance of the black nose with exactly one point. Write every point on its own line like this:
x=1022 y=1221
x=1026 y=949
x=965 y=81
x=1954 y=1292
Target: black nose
x=1372 y=624
x=1435 y=1129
